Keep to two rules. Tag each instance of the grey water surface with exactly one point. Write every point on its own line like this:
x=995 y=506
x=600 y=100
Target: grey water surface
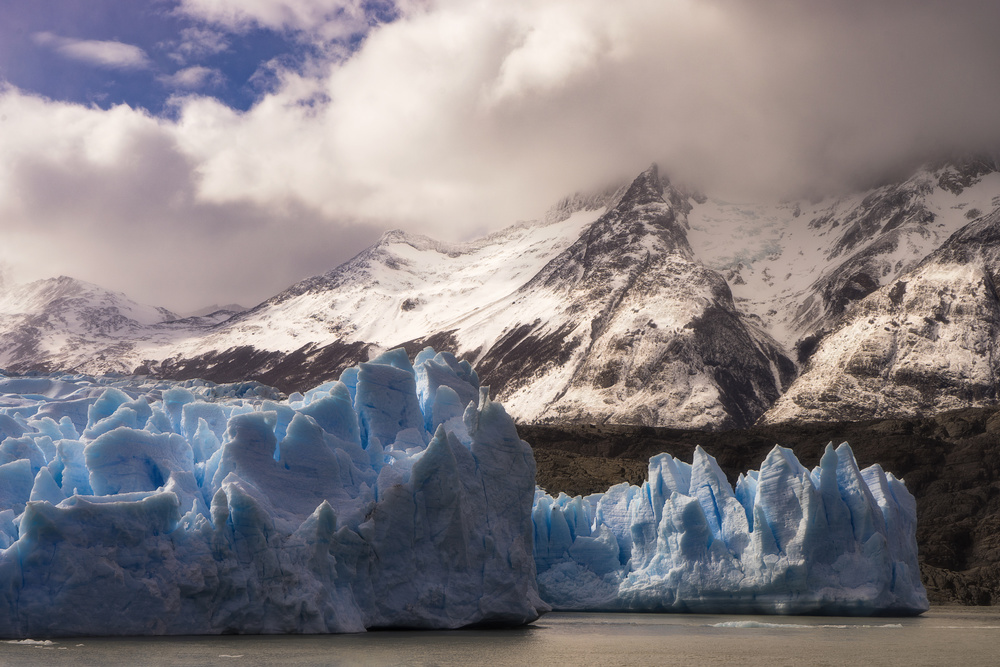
x=965 y=636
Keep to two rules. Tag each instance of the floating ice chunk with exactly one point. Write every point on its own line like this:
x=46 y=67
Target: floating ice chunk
x=338 y=510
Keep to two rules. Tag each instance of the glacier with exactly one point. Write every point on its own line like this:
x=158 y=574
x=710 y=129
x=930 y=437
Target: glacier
x=397 y=496
x=834 y=540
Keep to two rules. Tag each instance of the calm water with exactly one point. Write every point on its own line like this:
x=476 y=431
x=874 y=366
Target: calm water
x=943 y=636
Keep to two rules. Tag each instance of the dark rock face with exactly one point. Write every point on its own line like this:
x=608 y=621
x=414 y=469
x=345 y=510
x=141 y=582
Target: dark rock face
x=884 y=212
x=961 y=174
x=976 y=243
x=739 y=365
x=526 y=351
x=950 y=462
x=864 y=258
x=300 y=370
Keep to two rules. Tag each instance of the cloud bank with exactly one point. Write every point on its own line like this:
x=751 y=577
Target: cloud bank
x=459 y=117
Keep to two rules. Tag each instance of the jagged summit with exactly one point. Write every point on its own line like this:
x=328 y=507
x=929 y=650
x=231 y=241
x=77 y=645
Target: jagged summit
x=624 y=326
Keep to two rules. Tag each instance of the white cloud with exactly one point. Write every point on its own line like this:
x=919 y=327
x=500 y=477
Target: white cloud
x=197 y=42
x=325 y=19
x=107 y=196
x=193 y=78
x=462 y=116
x=108 y=54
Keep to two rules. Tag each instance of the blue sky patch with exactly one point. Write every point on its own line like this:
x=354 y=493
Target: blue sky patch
x=108 y=52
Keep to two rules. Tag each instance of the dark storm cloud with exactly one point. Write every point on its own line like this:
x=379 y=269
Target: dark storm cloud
x=848 y=91
x=771 y=96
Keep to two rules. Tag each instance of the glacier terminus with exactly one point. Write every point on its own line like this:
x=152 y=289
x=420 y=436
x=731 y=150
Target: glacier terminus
x=834 y=540
x=399 y=495
x=380 y=500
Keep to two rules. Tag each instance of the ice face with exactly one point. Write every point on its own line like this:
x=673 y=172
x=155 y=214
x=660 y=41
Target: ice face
x=399 y=497
x=834 y=540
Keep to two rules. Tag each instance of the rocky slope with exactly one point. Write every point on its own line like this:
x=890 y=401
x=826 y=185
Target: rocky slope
x=800 y=266
x=926 y=342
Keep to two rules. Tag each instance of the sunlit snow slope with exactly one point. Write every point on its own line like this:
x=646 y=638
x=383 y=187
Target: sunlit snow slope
x=67 y=324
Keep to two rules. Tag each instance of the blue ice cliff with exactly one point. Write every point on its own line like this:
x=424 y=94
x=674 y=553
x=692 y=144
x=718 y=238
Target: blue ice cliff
x=833 y=540
x=399 y=496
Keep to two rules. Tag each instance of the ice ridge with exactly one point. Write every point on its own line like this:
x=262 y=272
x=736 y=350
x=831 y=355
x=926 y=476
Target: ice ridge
x=787 y=540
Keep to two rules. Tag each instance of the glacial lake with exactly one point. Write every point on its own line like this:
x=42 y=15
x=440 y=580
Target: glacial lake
x=945 y=635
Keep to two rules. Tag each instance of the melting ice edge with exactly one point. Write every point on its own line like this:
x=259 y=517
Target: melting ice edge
x=398 y=496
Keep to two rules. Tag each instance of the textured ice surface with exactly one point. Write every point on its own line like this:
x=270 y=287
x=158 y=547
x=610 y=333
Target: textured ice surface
x=834 y=540
x=399 y=497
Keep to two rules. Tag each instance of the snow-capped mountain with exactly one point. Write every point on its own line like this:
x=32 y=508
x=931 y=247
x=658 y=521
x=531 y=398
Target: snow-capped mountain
x=404 y=290
x=639 y=304
x=67 y=324
x=625 y=326
x=800 y=265
x=929 y=341
x=596 y=314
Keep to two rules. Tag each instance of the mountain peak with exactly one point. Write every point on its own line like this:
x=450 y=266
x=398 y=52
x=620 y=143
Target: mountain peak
x=393 y=236
x=652 y=173
x=646 y=188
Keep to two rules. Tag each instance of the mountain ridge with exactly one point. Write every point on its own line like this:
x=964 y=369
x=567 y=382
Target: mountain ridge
x=640 y=303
